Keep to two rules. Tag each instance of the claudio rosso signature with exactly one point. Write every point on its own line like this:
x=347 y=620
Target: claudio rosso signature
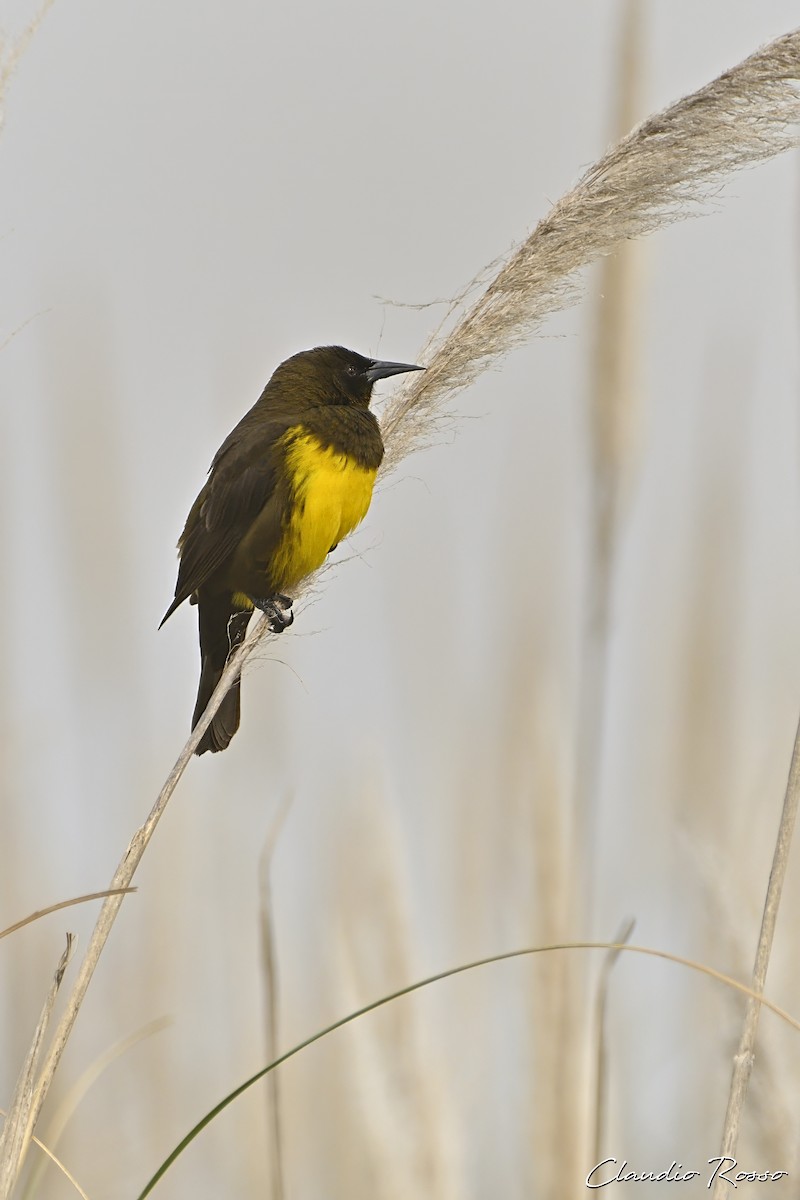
x=723 y=1168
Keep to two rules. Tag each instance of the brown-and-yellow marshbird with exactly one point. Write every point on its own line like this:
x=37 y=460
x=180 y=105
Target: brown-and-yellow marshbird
x=293 y=478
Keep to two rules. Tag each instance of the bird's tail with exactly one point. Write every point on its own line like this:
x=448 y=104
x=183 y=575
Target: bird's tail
x=220 y=632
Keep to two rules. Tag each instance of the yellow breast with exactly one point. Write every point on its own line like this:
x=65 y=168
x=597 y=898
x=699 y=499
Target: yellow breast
x=332 y=493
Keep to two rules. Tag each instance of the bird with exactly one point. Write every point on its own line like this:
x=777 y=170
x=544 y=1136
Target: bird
x=291 y=481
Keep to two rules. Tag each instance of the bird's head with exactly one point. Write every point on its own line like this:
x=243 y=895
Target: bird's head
x=340 y=376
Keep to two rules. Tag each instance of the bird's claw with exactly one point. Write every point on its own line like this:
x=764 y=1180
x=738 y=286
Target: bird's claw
x=278 y=611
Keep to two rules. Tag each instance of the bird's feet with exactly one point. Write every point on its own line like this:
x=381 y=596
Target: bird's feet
x=278 y=610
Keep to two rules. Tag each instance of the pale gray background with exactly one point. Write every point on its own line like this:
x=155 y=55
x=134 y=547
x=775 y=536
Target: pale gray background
x=191 y=192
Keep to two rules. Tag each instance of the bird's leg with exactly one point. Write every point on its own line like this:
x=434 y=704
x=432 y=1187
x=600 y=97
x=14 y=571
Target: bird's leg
x=278 y=610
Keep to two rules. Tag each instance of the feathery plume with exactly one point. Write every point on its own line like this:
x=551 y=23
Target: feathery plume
x=660 y=173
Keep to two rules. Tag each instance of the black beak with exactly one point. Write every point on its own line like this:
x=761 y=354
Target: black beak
x=382 y=370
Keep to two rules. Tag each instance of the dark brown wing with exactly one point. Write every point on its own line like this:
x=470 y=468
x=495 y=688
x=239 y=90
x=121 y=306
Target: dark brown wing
x=241 y=482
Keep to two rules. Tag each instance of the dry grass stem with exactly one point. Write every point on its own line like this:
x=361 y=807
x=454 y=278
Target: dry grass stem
x=601 y=1067
x=611 y=401
x=51 y=908
x=270 y=964
x=745 y=1055
x=537 y=766
x=405 y=1112
x=11 y=53
x=19 y=1123
x=71 y=1101
x=48 y=1153
x=122 y=879
x=660 y=173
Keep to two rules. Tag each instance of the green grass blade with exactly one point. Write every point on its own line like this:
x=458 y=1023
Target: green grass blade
x=421 y=983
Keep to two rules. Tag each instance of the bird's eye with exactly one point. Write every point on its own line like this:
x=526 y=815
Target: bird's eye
x=350 y=369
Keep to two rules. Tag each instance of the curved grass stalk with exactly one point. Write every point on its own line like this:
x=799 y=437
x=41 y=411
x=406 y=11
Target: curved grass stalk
x=614 y=947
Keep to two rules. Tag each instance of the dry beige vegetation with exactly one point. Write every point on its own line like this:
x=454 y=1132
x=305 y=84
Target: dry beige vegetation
x=584 y=1021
